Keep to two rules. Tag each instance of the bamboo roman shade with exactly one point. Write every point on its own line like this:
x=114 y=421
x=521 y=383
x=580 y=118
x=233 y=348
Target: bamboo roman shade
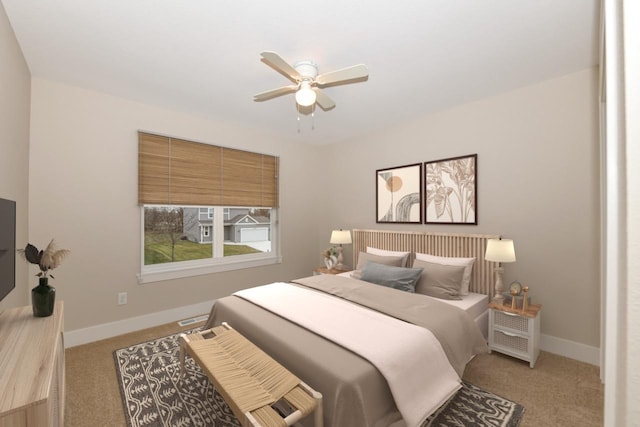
x=177 y=172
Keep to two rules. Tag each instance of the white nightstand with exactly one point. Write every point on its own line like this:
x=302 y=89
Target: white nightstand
x=515 y=332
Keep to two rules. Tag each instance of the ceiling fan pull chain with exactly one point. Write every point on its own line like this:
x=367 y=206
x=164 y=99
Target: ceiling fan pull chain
x=313 y=117
x=298 y=120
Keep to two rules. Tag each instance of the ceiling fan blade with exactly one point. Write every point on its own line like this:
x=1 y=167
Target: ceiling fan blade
x=354 y=72
x=263 y=96
x=323 y=100
x=281 y=65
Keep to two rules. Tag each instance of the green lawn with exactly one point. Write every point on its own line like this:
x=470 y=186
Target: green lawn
x=157 y=249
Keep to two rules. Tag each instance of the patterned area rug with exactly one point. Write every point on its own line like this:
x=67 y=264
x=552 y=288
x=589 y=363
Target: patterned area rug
x=153 y=394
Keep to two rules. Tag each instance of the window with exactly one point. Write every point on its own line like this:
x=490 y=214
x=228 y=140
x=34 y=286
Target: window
x=185 y=231
x=174 y=234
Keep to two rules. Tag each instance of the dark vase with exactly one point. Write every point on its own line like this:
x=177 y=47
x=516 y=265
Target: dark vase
x=43 y=297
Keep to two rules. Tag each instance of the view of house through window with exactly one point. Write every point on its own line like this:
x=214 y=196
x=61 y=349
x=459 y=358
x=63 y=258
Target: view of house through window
x=187 y=233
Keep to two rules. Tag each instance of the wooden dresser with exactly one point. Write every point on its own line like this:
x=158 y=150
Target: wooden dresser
x=31 y=368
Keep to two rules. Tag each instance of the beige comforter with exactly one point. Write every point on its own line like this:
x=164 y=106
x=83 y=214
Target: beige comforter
x=459 y=336
x=355 y=393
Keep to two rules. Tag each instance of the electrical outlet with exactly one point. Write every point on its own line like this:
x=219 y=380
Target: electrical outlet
x=122 y=298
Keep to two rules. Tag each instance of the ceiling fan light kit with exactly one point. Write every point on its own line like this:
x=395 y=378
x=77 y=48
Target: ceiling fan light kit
x=308 y=83
x=305 y=96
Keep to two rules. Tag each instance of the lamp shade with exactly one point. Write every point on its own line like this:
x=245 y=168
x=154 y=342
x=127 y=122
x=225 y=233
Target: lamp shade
x=500 y=250
x=340 y=237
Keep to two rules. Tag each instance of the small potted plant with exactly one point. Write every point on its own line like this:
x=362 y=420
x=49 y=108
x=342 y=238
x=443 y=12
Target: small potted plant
x=43 y=296
x=330 y=257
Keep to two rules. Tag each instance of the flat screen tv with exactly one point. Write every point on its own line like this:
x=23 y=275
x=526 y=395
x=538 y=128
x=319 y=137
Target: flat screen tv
x=7 y=247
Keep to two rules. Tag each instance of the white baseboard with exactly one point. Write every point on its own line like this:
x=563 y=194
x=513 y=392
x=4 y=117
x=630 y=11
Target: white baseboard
x=574 y=350
x=112 y=329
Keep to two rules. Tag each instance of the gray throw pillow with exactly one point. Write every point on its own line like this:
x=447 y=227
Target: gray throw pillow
x=400 y=278
x=364 y=257
x=439 y=281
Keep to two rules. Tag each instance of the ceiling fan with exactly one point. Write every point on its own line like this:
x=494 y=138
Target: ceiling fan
x=308 y=83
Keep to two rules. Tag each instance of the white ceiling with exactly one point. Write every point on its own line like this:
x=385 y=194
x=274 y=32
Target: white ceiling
x=203 y=56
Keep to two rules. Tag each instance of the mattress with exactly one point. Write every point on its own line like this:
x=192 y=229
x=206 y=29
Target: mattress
x=473 y=304
x=477 y=306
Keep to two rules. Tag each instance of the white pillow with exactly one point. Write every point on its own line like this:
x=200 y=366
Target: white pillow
x=382 y=252
x=466 y=262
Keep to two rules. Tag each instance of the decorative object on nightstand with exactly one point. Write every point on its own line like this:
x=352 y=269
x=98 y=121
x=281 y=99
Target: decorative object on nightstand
x=514 y=290
x=515 y=285
x=499 y=250
x=340 y=237
x=525 y=301
x=330 y=259
x=515 y=332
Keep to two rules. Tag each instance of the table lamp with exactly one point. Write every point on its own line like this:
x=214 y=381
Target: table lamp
x=340 y=237
x=499 y=250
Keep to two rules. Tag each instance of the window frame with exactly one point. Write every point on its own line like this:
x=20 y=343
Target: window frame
x=182 y=269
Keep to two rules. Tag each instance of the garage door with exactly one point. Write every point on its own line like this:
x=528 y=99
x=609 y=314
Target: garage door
x=254 y=234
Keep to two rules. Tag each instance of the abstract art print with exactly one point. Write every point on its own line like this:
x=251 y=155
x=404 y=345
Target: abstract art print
x=399 y=194
x=451 y=190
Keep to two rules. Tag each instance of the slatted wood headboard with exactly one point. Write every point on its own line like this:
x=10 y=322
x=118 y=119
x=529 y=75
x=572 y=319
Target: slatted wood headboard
x=441 y=244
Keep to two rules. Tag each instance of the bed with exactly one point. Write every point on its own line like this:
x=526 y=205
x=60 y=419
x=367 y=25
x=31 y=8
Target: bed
x=355 y=391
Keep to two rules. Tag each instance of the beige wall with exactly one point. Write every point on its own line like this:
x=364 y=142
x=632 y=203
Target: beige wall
x=537 y=173
x=15 y=82
x=83 y=192
x=538 y=183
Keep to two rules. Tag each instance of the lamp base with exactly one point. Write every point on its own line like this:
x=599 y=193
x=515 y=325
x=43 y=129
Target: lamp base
x=498 y=298
x=339 y=265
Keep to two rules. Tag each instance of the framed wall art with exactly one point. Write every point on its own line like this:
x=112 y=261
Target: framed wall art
x=399 y=194
x=451 y=190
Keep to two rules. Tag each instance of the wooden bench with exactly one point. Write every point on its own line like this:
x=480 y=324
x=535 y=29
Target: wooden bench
x=251 y=382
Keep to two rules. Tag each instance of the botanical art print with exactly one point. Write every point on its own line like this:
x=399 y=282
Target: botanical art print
x=399 y=194
x=451 y=191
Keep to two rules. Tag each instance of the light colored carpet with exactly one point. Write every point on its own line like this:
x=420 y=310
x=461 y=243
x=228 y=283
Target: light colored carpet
x=557 y=392
x=155 y=394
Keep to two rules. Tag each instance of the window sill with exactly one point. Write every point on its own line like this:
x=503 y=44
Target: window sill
x=159 y=273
